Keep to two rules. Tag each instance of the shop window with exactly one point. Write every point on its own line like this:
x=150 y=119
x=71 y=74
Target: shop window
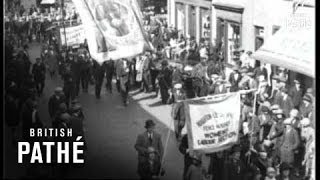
x=229 y=40
x=259 y=37
x=192 y=21
x=180 y=21
x=205 y=23
x=233 y=42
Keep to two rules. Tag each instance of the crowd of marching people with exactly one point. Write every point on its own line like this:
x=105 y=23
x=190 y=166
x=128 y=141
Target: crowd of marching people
x=277 y=129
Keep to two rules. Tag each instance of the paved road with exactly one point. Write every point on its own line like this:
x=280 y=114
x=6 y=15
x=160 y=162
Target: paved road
x=111 y=131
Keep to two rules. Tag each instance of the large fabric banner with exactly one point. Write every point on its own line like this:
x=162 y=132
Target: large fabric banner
x=113 y=28
x=213 y=123
x=74 y=35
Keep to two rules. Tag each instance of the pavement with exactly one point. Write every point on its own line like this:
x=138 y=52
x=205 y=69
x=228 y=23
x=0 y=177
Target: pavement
x=110 y=131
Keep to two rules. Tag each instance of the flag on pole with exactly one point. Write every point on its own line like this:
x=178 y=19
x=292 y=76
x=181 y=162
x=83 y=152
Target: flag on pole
x=113 y=28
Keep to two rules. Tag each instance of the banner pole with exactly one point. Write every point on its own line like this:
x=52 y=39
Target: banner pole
x=165 y=147
x=254 y=113
x=64 y=27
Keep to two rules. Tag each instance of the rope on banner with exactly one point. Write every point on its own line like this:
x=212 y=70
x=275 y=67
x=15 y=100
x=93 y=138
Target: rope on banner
x=220 y=95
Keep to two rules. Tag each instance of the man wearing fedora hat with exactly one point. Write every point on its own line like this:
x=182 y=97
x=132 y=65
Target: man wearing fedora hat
x=276 y=131
x=306 y=107
x=149 y=138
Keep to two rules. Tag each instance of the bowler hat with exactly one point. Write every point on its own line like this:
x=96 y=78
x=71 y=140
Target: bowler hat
x=149 y=123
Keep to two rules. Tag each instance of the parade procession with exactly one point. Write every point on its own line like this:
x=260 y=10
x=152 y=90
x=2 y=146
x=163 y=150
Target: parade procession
x=159 y=89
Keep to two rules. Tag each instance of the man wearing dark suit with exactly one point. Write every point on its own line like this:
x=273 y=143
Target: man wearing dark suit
x=146 y=140
x=55 y=100
x=234 y=79
x=220 y=87
x=123 y=74
x=285 y=102
x=260 y=70
x=295 y=93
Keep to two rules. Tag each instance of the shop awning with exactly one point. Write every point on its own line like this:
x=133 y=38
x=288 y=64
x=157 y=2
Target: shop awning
x=292 y=47
x=48 y=1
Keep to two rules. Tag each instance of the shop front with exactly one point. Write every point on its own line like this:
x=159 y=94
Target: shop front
x=191 y=18
x=291 y=50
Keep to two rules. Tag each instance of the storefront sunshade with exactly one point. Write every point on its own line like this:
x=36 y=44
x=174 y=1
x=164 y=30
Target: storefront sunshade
x=48 y=1
x=291 y=47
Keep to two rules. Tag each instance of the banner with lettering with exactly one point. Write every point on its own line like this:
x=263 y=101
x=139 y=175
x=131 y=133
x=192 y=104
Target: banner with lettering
x=74 y=35
x=213 y=123
x=113 y=28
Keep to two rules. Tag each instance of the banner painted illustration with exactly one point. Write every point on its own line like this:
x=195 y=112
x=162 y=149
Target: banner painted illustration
x=213 y=124
x=113 y=28
x=74 y=35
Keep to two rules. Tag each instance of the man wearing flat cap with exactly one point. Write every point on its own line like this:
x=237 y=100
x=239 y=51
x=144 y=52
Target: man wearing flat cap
x=149 y=138
x=54 y=101
x=306 y=107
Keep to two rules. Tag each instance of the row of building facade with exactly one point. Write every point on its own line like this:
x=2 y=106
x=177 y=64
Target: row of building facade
x=245 y=24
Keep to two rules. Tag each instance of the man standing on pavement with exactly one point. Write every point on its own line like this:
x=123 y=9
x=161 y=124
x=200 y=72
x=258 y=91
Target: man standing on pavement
x=148 y=139
x=123 y=72
x=39 y=75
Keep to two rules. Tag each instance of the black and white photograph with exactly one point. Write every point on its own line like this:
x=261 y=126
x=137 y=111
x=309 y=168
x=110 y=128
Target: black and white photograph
x=159 y=89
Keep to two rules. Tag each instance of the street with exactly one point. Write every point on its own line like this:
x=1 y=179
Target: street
x=111 y=131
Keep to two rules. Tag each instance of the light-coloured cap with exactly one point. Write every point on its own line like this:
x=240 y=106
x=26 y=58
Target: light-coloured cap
x=287 y=121
x=294 y=113
x=305 y=122
x=271 y=170
x=58 y=89
x=178 y=86
x=188 y=68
